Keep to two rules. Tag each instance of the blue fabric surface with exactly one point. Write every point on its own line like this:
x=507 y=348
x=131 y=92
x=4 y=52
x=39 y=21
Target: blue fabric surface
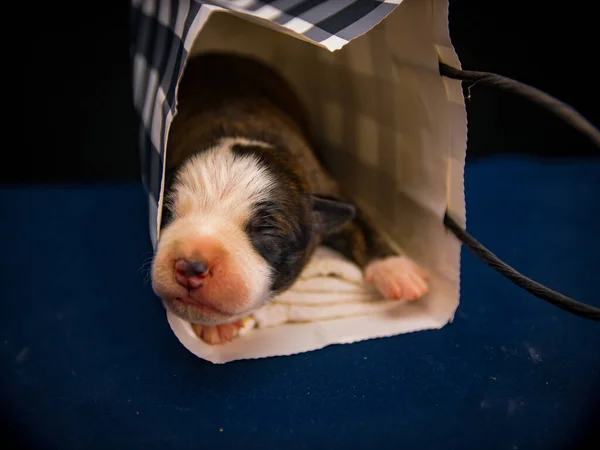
x=88 y=360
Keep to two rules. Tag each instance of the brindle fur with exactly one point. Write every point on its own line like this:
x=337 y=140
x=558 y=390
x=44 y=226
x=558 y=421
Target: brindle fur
x=225 y=95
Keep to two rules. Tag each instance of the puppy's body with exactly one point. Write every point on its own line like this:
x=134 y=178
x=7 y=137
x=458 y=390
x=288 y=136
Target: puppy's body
x=226 y=96
x=247 y=201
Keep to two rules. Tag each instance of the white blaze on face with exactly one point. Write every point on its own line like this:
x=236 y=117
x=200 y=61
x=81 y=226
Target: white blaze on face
x=211 y=200
x=219 y=183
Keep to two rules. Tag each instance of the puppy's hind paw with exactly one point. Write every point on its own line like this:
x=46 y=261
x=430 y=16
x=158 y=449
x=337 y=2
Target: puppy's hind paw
x=397 y=278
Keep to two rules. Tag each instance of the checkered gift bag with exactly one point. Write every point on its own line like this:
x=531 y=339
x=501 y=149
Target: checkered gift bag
x=392 y=129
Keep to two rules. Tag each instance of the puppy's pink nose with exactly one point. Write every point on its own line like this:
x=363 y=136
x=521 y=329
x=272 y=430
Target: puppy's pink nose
x=190 y=274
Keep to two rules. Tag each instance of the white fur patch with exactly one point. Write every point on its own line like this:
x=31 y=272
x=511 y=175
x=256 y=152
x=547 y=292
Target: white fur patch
x=219 y=183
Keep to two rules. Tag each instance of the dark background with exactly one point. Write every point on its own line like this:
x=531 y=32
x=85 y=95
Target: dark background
x=75 y=121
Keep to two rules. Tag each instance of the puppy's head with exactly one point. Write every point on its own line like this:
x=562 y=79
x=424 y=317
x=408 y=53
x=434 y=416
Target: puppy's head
x=241 y=228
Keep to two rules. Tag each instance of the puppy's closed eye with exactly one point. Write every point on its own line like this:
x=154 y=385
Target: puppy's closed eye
x=265 y=220
x=263 y=224
x=267 y=232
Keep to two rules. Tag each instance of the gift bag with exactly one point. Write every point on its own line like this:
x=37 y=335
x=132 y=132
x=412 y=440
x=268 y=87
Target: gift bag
x=392 y=131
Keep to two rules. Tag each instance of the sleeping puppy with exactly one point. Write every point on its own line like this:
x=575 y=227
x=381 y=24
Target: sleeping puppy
x=247 y=202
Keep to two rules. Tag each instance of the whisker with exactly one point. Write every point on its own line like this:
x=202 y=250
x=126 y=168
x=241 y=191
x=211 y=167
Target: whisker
x=146 y=266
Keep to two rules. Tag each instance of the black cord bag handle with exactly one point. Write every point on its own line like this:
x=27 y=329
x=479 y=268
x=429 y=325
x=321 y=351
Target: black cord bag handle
x=570 y=116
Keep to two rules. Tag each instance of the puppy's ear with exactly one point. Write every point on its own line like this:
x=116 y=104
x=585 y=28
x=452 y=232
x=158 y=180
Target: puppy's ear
x=330 y=214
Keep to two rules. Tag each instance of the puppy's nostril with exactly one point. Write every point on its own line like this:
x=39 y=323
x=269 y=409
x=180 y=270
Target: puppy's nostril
x=190 y=269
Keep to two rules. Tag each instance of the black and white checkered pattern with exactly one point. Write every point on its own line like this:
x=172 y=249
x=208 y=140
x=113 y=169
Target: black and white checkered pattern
x=164 y=30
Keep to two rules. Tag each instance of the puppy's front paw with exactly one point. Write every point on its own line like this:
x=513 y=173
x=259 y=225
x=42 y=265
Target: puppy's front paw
x=397 y=278
x=217 y=334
